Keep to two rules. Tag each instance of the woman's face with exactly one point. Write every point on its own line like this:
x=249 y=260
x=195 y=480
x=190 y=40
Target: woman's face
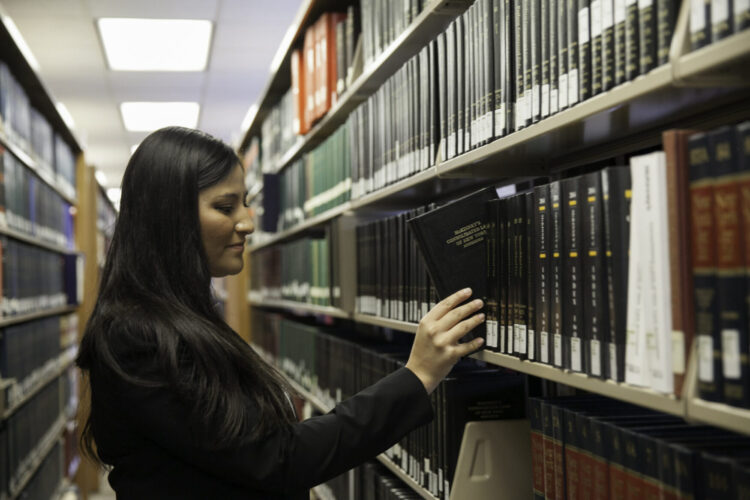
x=225 y=221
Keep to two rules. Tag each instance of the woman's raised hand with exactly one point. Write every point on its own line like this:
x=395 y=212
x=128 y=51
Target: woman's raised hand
x=436 y=348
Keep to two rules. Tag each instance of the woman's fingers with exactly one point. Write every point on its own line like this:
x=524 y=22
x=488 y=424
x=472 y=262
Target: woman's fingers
x=446 y=305
x=452 y=318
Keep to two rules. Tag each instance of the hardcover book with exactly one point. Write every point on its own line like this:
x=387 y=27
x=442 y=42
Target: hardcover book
x=452 y=240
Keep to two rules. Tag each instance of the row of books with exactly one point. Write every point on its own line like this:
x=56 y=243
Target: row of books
x=392 y=280
x=29 y=205
x=369 y=481
x=26 y=429
x=714 y=21
x=593 y=447
x=46 y=481
x=34 y=278
x=26 y=347
x=31 y=131
x=301 y=271
x=334 y=368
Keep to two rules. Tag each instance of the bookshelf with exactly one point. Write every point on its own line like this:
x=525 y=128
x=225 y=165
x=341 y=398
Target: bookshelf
x=44 y=448
x=700 y=89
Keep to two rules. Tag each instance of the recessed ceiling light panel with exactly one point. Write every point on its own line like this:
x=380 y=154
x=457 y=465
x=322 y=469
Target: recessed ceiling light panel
x=155 y=44
x=150 y=116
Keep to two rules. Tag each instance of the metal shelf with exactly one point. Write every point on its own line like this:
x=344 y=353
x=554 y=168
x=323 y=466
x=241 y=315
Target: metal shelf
x=393 y=324
x=34 y=240
x=310 y=223
x=45 y=446
x=63 y=361
x=300 y=307
x=22 y=318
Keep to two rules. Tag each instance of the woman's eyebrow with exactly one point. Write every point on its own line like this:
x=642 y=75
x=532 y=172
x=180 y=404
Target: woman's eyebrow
x=227 y=197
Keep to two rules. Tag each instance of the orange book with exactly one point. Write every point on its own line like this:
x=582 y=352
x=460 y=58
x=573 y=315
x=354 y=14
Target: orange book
x=300 y=124
x=320 y=75
x=308 y=81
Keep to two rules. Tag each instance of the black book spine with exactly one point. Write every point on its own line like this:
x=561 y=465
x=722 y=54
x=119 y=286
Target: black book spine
x=632 y=37
x=703 y=236
x=518 y=32
x=721 y=19
x=608 y=44
x=542 y=259
x=545 y=56
x=503 y=275
x=442 y=98
x=741 y=16
x=489 y=71
x=562 y=50
x=499 y=70
x=573 y=53
x=620 y=13
x=647 y=31
x=700 y=23
x=535 y=23
x=556 y=273
x=616 y=204
x=554 y=55
x=511 y=282
x=584 y=49
x=665 y=22
x=573 y=345
x=460 y=83
x=471 y=86
x=594 y=274
x=596 y=47
x=532 y=344
x=509 y=79
x=492 y=277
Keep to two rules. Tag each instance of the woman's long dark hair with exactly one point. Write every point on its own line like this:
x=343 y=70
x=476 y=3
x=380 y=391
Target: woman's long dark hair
x=154 y=324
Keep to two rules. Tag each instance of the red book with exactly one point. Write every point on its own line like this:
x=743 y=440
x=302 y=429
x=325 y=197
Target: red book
x=308 y=81
x=537 y=447
x=549 y=453
x=301 y=125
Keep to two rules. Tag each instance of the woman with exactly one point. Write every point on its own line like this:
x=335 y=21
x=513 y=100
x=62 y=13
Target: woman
x=181 y=406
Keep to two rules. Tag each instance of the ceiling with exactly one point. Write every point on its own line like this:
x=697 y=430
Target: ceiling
x=63 y=37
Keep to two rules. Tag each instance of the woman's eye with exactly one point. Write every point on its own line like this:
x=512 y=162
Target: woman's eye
x=226 y=209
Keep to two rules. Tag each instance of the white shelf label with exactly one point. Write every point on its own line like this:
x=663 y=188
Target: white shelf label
x=575 y=354
x=730 y=353
x=705 y=358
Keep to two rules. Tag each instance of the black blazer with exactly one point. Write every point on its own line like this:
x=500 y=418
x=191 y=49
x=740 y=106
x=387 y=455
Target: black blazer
x=145 y=435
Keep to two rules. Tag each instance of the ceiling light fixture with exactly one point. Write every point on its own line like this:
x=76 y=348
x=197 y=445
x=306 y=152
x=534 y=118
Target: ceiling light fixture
x=21 y=42
x=155 y=44
x=150 y=116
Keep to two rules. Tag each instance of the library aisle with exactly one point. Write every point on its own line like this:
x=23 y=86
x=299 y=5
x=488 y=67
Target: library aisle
x=582 y=165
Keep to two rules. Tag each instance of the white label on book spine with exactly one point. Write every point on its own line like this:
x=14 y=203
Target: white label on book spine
x=502 y=338
x=678 y=352
x=596 y=358
x=544 y=347
x=596 y=18
x=545 y=100
x=583 y=26
x=608 y=14
x=642 y=4
x=730 y=352
x=563 y=91
x=705 y=358
x=553 y=104
x=491 y=333
x=620 y=11
x=536 y=100
x=558 y=349
x=531 y=350
x=573 y=87
x=575 y=354
x=719 y=11
x=612 y=361
x=697 y=15
x=520 y=340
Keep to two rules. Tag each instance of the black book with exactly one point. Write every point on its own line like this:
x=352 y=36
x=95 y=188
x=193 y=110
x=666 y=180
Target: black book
x=721 y=19
x=504 y=276
x=741 y=12
x=518 y=68
x=542 y=258
x=608 y=44
x=492 y=277
x=615 y=184
x=666 y=15
x=532 y=343
x=703 y=236
x=535 y=47
x=700 y=24
x=456 y=233
x=498 y=50
x=488 y=71
x=557 y=277
x=584 y=50
x=647 y=31
x=620 y=13
x=554 y=54
x=520 y=344
x=510 y=281
x=596 y=47
x=574 y=70
x=594 y=274
x=632 y=38
x=508 y=57
x=545 y=56
x=573 y=331
x=442 y=96
x=562 y=50
x=460 y=86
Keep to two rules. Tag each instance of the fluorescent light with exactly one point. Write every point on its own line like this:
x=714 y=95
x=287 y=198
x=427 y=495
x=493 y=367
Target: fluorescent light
x=149 y=116
x=156 y=44
x=252 y=110
x=101 y=177
x=65 y=115
x=20 y=42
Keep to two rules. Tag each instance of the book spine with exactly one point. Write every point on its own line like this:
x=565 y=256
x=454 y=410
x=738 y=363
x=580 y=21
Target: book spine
x=584 y=49
x=608 y=44
x=536 y=60
x=620 y=14
x=563 y=37
x=596 y=47
x=632 y=37
x=574 y=70
x=647 y=31
x=548 y=445
x=532 y=344
x=556 y=274
x=721 y=19
x=544 y=27
x=518 y=44
x=743 y=161
x=574 y=460
x=508 y=57
x=665 y=21
x=442 y=97
x=492 y=277
x=741 y=11
x=460 y=84
x=488 y=71
x=537 y=447
x=574 y=341
x=542 y=259
x=503 y=275
x=594 y=274
x=703 y=252
x=558 y=436
x=554 y=72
